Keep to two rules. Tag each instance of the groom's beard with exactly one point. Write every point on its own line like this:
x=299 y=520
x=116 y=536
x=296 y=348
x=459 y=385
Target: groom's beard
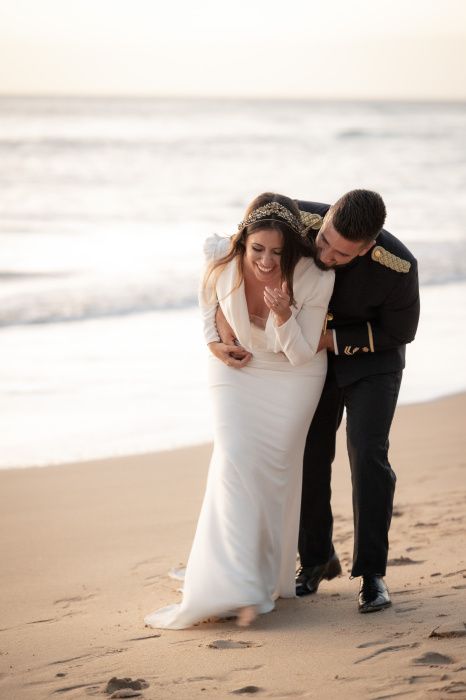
x=335 y=266
x=321 y=265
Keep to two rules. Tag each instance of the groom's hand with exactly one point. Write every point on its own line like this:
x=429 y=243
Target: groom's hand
x=228 y=350
x=231 y=355
x=326 y=342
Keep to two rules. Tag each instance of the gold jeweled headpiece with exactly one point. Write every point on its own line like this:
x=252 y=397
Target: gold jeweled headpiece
x=264 y=213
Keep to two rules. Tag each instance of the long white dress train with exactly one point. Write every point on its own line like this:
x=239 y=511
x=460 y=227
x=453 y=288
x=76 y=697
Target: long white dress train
x=244 y=549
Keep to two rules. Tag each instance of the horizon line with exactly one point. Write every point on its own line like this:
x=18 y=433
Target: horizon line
x=230 y=98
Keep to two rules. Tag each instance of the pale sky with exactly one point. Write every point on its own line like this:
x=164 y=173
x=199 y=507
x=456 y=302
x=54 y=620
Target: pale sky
x=406 y=49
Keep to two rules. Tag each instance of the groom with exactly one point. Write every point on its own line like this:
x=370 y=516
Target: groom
x=373 y=313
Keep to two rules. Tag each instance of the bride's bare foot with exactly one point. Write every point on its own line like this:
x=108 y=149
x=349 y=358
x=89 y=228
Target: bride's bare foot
x=246 y=616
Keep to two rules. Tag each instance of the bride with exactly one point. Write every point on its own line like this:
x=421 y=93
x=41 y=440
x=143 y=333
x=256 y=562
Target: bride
x=264 y=391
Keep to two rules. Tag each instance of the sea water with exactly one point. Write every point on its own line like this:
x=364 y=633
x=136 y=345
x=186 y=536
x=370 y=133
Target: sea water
x=104 y=206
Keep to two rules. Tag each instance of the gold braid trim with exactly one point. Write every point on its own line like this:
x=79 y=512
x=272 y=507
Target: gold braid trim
x=266 y=211
x=310 y=220
x=393 y=262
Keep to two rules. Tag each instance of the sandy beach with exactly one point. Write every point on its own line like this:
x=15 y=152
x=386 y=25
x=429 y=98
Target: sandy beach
x=86 y=548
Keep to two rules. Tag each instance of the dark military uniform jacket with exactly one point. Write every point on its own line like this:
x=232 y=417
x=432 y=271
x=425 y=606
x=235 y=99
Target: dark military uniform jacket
x=374 y=308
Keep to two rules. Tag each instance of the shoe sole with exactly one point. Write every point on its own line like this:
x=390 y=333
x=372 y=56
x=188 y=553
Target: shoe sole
x=378 y=608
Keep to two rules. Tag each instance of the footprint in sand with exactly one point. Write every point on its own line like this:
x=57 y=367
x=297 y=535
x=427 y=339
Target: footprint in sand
x=455 y=687
x=72 y=658
x=152 y=580
x=432 y=658
x=387 y=650
x=443 y=595
x=117 y=685
x=231 y=644
x=248 y=689
x=66 y=603
x=68 y=688
x=77 y=661
x=403 y=561
x=455 y=573
x=426 y=678
x=377 y=642
x=144 y=563
x=406 y=591
x=406 y=610
x=449 y=631
x=39 y=622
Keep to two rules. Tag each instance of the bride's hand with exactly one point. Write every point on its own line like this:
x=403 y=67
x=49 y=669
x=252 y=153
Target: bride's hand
x=231 y=355
x=278 y=301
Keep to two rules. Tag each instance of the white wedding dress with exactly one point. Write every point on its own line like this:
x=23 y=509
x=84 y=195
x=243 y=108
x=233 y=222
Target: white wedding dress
x=244 y=549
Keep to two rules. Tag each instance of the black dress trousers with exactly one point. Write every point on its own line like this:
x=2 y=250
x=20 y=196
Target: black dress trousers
x=370 y=405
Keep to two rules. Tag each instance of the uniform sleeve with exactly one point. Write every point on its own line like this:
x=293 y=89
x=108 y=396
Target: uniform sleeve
x=300 y=335
x=395 y=324
x=214 y=247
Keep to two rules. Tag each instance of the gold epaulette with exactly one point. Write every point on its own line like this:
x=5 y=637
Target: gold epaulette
x=309 y=220
x=384 y=257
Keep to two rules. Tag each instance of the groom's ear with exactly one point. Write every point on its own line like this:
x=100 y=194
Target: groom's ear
x=367 y=247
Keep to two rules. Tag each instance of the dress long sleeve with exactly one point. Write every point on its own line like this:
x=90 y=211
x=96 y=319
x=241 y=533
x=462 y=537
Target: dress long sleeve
x=214 y=247
x=299 y=336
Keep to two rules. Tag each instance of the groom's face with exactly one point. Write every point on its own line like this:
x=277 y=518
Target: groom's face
x=333 y=250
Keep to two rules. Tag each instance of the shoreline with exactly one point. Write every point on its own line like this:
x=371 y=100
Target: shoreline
x=86 y=552
x=204 y=444
x=142 y=391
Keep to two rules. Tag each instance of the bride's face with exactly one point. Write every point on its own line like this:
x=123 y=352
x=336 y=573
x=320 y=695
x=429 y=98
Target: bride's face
x=262 y=256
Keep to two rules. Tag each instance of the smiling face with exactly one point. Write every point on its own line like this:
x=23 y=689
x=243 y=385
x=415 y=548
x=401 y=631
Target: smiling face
x=262 y=255
x=333 y=250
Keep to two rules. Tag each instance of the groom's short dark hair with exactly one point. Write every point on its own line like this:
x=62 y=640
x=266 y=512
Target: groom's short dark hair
x=358 y=215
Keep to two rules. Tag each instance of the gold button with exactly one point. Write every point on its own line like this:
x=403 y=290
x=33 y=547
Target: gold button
x=329 y=316
x=377 y=253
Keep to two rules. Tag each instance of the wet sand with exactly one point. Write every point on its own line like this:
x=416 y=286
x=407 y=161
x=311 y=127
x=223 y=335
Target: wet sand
x=85 y=551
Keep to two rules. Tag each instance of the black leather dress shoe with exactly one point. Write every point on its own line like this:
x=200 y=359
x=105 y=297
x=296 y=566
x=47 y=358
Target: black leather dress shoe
x=373 y=594
x=309 y=577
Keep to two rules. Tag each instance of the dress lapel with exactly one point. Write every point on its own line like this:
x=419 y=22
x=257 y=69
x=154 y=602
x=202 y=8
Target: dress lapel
x=233 y=304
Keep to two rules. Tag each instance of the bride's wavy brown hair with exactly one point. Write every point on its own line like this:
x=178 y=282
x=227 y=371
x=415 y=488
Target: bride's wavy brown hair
x=295 y=246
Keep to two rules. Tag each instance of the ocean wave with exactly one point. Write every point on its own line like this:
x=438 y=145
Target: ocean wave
x=66 y=304
x=62 y=306
x=393 y=134
x=175 y=145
